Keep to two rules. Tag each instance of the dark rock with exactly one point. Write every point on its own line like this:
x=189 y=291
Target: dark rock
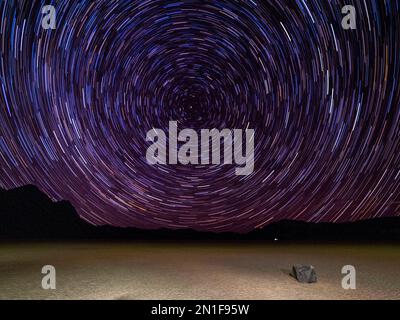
x=304 y=274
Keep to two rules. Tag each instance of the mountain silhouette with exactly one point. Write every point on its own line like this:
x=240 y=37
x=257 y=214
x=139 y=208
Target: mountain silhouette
x=27 y=213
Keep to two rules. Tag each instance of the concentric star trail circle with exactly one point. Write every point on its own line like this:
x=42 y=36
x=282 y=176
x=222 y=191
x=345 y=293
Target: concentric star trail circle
x=76 y=103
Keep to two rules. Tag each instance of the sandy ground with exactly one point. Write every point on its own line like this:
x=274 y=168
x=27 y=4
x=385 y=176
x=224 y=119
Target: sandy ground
x=196 y=271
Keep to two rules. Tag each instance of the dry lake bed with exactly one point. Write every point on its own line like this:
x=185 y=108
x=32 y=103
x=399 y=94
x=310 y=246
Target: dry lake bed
x=131 y=270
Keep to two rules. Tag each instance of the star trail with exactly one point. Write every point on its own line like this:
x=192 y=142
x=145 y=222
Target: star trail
x=76 y=103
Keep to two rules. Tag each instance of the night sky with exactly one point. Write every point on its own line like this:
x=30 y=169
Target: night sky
x=76 y=104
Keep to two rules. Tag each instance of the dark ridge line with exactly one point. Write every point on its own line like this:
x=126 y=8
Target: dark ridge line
x=27 y=213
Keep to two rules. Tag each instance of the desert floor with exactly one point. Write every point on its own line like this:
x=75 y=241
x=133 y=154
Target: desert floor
x=196 y=271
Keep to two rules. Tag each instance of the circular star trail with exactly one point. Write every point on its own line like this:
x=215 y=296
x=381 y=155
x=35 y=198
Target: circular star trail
x=77 y=102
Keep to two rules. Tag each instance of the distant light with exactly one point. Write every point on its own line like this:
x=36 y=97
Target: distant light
x=276 y=239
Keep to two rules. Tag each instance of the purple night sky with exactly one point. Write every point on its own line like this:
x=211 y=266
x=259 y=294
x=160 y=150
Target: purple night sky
x=76 y=104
